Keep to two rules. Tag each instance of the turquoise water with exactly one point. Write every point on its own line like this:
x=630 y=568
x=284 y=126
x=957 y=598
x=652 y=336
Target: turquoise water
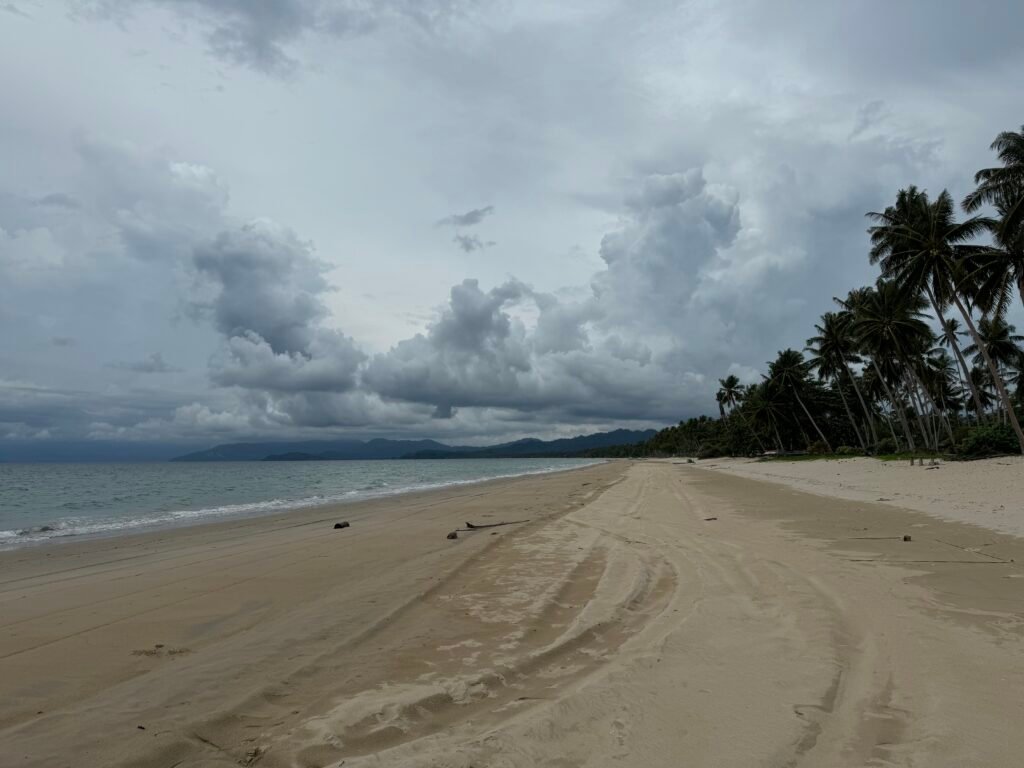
x=39 y=502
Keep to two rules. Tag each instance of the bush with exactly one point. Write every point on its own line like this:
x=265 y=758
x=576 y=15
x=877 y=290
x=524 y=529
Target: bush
x=990 y=440
x=886 y=445
x=848 y=450
x=818 y=448
x=711 y=451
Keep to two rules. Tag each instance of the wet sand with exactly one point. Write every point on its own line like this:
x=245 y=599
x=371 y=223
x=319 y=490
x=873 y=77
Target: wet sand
x=648 y=614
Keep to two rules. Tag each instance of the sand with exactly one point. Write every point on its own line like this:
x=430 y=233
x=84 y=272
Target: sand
x=989 y=493
x=649 y=614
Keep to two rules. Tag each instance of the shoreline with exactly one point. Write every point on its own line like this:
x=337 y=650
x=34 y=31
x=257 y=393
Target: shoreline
x=186 y=518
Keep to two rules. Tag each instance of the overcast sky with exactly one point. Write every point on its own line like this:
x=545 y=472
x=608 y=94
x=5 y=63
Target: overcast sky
x=468 y=220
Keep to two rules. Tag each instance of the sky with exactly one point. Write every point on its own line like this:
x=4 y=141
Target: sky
x=471 y=220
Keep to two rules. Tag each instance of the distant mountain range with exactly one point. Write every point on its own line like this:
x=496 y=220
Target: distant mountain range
x=342 y=450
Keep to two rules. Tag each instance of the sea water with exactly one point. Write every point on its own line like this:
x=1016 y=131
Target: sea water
x=39 y=502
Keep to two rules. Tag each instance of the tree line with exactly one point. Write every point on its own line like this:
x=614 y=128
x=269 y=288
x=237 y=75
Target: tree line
x=923 y=360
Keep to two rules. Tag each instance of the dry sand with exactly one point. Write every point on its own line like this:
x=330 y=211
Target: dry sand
x=989 y=493
x=650 y=614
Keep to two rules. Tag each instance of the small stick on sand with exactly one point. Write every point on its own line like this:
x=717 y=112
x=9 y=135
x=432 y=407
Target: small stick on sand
x=472 y=527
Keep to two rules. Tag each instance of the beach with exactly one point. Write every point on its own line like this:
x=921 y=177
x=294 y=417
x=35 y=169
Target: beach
x=644 y=614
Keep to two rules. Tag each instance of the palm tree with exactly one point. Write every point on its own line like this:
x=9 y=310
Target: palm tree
x=950 y=333
x=921 y=246
x=904 y=242
x=888 y=323
x=1002 y=344
x=789 y=372
x=730 y=394
x=731 y=391
x=999 y=269
x=830 y=357
x=853 y=306
x=765 y=408
x=941 y=373
x=983 y=381
x=1003 y=185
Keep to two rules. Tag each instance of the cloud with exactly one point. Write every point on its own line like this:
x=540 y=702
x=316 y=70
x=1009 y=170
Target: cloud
x=265 y=35
x=327 y=364
x=709 y=172
x=470 y=243
x=14 y=10
x=867 y=116
x=263 y=279
x=58 y=200
x=467 y=219
x=154 y=363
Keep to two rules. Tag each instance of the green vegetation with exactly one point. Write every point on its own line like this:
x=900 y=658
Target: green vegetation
x=921 y=363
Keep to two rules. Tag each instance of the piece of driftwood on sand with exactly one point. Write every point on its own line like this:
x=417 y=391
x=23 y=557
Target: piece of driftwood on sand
x=470 y=527
x=474 y=527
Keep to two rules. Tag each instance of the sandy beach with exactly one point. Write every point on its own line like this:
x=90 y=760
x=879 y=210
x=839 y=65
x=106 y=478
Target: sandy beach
x=648 y=614
x=988 y=492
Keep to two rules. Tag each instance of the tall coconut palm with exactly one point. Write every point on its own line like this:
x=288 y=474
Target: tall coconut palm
x=730 y=393
x=731 y=390
x=1000 y=340
x=765 y=409
x=831 y=354
x=948 y=338
x=921 y=246
x=888 y=323
x=941 y=376
x=983 y=381
x=1003 y=184
x=999 y=269
x=790 y=372
x=904 y=242
x=877 y=391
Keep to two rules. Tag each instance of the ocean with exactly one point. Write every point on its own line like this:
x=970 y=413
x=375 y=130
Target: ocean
x=41 y=502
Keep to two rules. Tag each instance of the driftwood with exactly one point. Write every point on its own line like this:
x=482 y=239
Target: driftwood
x=472 y=527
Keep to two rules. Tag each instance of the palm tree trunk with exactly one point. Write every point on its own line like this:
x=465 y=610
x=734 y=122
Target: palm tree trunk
x=895 y=406
x=892 y=431
x=849 y=415
x=943 y=418
x=867 y=413
x=813 y=422
x=992 y=369
x=915 y=405
x=956 y=353
x=752 y=430
x=935 y=410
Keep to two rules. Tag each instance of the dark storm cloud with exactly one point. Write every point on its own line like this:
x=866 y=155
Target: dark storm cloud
x=265 y=289
x=467 y=219
x=265 y=280
x=154 y=363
